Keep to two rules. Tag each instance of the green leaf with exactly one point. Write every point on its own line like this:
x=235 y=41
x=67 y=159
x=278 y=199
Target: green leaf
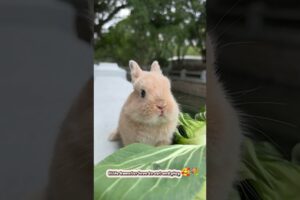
x=190 y=131
x=141 y=156
x=201 y=195
x=268 y=171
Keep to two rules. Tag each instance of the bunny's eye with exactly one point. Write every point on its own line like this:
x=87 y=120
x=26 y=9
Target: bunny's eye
x=143 y=93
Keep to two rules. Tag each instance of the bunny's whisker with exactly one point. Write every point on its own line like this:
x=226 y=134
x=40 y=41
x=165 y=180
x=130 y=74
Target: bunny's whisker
x=270 y=119
x=261 y=102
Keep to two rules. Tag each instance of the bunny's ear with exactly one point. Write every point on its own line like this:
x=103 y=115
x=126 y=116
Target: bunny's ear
x=155 y=67
x=135 y=70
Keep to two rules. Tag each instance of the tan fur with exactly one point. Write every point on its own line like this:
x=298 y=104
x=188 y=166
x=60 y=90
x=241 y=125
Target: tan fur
x=223 y=136
x=71 y=171
x=140 y=120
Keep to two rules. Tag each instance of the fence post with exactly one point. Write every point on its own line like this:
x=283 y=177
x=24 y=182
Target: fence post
x=183 y=74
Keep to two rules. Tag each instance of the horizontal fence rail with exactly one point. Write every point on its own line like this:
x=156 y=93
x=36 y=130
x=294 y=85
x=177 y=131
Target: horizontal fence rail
x=185 y=75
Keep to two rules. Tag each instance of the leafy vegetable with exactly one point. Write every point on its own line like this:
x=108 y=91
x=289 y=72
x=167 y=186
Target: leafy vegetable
x=268 y=172
x=144 y=157
x=191 y=131
x=141 y=156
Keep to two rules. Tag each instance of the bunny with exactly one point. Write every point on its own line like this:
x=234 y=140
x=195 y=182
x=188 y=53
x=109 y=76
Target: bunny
x=150 y=114
x=224 y=134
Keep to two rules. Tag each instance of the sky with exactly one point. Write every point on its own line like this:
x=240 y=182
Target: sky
x=119 y=16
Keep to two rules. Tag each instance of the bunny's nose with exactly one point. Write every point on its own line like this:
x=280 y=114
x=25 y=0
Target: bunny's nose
x=160 y=107
x=160 y=104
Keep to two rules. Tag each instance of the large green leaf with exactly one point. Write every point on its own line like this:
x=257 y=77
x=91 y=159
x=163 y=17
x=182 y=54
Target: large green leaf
x=141 y=156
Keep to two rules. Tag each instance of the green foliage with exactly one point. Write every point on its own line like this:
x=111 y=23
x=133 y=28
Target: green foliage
x=191 y=131
x=268 y=172
x=193 y=51
x=154 y=30
x=105 y=10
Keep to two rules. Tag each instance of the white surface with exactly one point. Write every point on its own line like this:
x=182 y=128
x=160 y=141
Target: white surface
x=109 y=70
x=111 y=90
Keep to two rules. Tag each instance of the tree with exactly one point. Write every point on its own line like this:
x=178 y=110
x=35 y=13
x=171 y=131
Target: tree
x=155 y=30
x=105 y=10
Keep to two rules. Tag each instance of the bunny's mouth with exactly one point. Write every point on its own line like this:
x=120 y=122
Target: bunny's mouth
x=161 y=114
